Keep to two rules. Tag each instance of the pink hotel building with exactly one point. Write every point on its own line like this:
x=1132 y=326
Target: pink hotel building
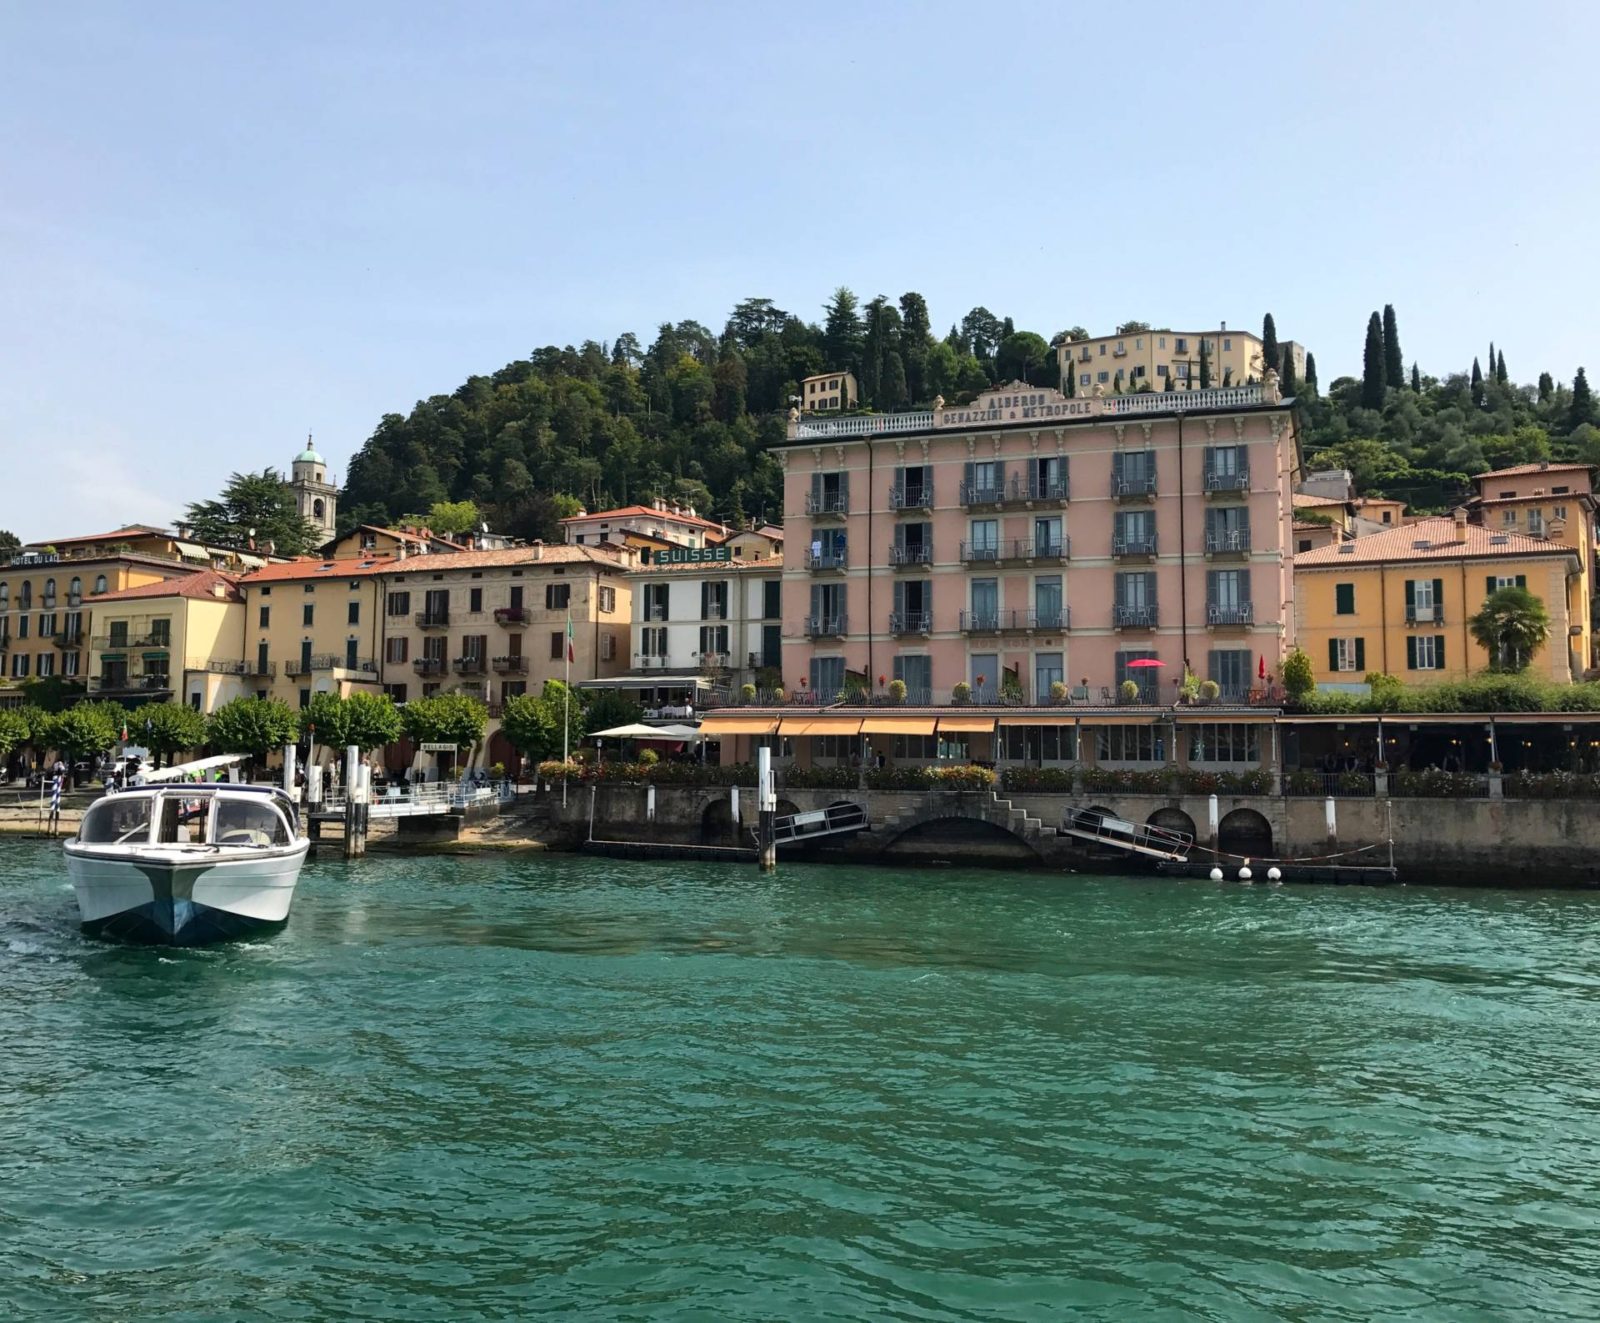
x=1029 y=538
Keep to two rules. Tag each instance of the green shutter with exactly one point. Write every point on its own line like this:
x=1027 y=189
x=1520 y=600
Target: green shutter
x=1411 y=652
x=1438 y=599
x=1438 y=651
x=1344 y=599
x=1522 y=581
x=1361 y=656
x=1411 y=594
x=1488 y=586
x=1333 y=655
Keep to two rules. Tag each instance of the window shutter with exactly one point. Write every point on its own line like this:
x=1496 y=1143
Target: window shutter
x=816 y=491
x=1211 y=462
x=900 y=477
x=1211 y=519
x=1116 y=466
x=1411 y=652
x=1488 y=586
x=816 y=599
x=1438 y=651
x=1438 y=598
x=1361 y=655
x=1150 y=588
x=705 y=599
x=966 y=476
x=1411 y=594
x=1211 y=665
x=844 y=489
x=1333 y=654
x=1211 y=584
x=999 y=475
x=899 y=597
x=1121 y=589
x=1244 y=587
x=1522 y=581
x=900 y=537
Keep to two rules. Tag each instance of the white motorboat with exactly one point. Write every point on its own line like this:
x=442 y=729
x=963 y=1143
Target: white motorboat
x=182 y=864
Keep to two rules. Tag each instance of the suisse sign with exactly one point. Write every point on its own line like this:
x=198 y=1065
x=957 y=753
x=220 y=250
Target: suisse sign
x=687 y=555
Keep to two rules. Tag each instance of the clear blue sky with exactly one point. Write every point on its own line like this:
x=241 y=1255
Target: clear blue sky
x=224 y=225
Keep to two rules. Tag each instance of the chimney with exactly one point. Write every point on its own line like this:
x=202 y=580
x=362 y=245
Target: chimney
x=538 y=548
x=1459 y=514
x=400 y=550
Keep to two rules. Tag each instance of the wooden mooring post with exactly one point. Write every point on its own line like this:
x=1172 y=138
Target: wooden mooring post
x=766 y=813
x=355 y=809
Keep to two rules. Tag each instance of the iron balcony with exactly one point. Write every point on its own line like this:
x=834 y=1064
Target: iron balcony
x=1237 y=613
x=1425 y=615
x=1138 y=546
x=470 y=665
x=826 y=627
x=918 y=555
x=511 y=615
x=511 y=665
x=827 y=504
x=1135 y=617
x=428 y=665
x=827 y=560
x=1237 y=481
x=1228 y=542
x=1135 y=488
x=910 y=622
x=433 y=620
x=911 y=496
x=1015 y=490
x=1016 y=550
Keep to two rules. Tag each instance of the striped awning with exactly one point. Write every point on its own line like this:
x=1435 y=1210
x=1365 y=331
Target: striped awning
x=897 y=726
x=820 y=725
x=735 y=725
x=967 y=725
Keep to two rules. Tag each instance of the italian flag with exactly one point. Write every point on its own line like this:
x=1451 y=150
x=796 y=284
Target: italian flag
x=572 y=651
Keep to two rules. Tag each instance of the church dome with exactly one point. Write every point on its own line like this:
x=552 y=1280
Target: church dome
x=309 y=456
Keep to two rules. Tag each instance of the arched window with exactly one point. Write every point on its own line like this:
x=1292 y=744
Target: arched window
x=75 y=589
x=316 y=510
x=25 y=594
x=5 y=596
x=49 y=592
x=99 y=583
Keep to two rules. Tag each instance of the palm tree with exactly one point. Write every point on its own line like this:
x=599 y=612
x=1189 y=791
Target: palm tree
x=1512 y=626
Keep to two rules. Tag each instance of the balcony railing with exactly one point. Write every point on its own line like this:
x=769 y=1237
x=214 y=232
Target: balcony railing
x=1228 y=542
x=982 y=493
x=433 y=619
x=115 y=642
x=511 y=665
x=1014 y=621
x=827 y=503
x=1182 y=401
x=911 y=496
x=159 y=682
x=980 y=622
x=1048 y=489
x=1134 y=545
x=1237 y=613
x=1135 y=617
x=1425 y=615
x=826 y=560
x=217 y=667
x=1218 y=481
x=715 y=611
x=67 y=640
x=511 y=615
x=1051 y=618
x=910 y=622
x=470 y=665
x=429 y=665
x=260 y=670
x=1015 y=490
x=827 y=627
x=914 y=555
x=1016 y=549
x=1133 y=488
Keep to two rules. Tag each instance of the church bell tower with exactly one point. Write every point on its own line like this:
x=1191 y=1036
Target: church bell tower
x=315 y=497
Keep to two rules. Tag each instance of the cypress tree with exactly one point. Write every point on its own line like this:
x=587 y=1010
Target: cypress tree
x=1269 y=344
x=1205 y=364
x=1547 y=387
x=1372 y=365
x=1394 y=366
x=1416 y=379
x=1500 y=368
x=1311 y=374
x=1582 y=402
x=1477 y=383
x=1286 y=382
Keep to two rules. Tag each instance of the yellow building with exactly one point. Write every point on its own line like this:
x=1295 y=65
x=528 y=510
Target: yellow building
x=179 y=638
x=375 y=540
x=1399 y=601
x=1161 y=360
x=312 y=626
x=48 y=591
x=829 y=392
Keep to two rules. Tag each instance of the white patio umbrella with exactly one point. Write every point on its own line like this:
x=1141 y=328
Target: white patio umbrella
x=637 y=731
x=676 y=733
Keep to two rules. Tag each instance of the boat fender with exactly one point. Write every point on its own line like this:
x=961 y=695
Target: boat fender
x=1216 y=875
x=1273 y=875
x=1244 y=871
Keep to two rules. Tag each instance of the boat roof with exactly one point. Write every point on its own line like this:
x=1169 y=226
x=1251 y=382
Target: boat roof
x=201 y=788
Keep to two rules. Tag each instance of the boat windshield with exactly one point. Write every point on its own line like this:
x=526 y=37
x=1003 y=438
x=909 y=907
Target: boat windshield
x=183 y=819
x=118 y=820
x=252 y=822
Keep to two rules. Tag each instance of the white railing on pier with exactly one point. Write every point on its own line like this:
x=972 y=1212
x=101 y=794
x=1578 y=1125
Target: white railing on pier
x=863 y=424
x=417 y=801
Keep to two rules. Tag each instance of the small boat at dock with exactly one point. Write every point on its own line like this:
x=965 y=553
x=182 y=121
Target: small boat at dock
x=181 y=863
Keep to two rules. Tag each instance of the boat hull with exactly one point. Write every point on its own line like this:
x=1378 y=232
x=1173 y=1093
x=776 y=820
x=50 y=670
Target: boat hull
x=184 y=897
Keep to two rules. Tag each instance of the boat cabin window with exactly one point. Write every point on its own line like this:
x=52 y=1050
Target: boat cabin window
x=247 y=822
x=120 y=820
x=183 y=820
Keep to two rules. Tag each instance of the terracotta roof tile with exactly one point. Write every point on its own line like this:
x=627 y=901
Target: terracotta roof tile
x=1517 y=470
x=359 y=567
x=632 y=511
x=1397 y=545
x=200 y=585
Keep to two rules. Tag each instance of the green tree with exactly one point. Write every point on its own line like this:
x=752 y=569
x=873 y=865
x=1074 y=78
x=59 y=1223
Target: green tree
x=1299 y=679
x=1547 y=387
x=169 y=728
x=9 y=542
x=1500 y=369
x=1581 y=410
x=1023 y=356
x=457 y=719
x=371 y=721
x=1311 y=374
x=79 y=733
x=447 y=517
x=1477 y=384
x=15 y=731
x=842 y=333
x=257 y=507
x=1511 y=626
x=533 y=722
x=1270 y=354
x=1372 y=381
x=251 y=726
x=1205 y=364
x=1416 y=380
x=1394 y=366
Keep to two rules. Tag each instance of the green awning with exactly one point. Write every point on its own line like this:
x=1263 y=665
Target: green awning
x=147 y=655
x=113 y=656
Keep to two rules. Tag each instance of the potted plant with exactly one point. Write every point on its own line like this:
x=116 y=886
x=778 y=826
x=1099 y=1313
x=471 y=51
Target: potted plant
x=1210 y=691
x=747 y=692
x=778 y=695
x=648 y=758
x=1189 y=686
x=1011 y=690
x=961 y=692
x=1128 y=691
x=1058 y=692
x=897 y=691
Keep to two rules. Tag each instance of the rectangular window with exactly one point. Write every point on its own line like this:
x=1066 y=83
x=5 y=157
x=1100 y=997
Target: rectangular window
x=22 y=629
x=1103 y=376
x=266 y=616
x=985 y=539
x=1224 y=742
x=714 y=601
x=1535 y=522
x=399 y=605
x=608 y=647
x=713 y=641
x=307 y=612
x=1047 y=670
x=1129 y=744
x=1146 y=677
x=653 y=641
x=475 y=599
x=1039 y=744
x=827 y=676
x=397 y=650
x=47 y=624
x=1085 y=379
x=1231 y=669
x=1425 y=652
x=1558 y=512
x=69 y=664
x=771 y=599
x=354 y=614
x=985 y=603
x=1344 y=599
x=397 y=692
x=917 y=675
x=558 y=650
x=47 y=664
x=608 y=600
x=305 y=698
x=1348 y=655
x=557 y=596
x=1509 y=518
x=655 y=600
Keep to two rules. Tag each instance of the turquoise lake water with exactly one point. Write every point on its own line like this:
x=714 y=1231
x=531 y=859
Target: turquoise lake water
x=502 y=1089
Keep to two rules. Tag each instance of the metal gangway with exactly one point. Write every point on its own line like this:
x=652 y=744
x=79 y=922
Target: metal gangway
x=420 y=801
x=1135 y=837
x=835 y=820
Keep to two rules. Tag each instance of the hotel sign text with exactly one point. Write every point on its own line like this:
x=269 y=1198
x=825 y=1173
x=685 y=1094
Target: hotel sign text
x=1017 y=407
x=687 y=555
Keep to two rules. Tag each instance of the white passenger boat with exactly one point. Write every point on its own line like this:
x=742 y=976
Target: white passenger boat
x=180 y=863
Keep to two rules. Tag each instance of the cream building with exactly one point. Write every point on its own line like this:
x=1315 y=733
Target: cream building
x=829 y=392
x=1161 y=360
x=660 y=523
x=177 y=639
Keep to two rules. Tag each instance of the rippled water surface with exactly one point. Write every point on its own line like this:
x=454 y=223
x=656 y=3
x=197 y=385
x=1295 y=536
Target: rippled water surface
x=493 y=1088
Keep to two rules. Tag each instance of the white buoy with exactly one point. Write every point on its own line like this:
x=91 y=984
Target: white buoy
x=1216 y=875
x=1273 y=875
x=1244 y=873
